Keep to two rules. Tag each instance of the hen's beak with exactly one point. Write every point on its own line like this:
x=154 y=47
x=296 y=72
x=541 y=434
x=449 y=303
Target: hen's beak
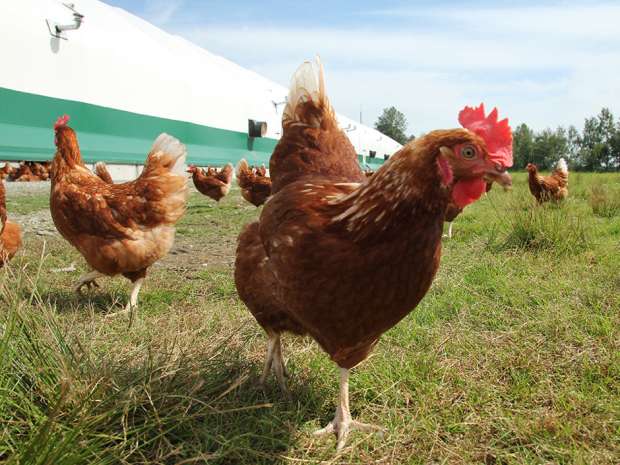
x=495 y=172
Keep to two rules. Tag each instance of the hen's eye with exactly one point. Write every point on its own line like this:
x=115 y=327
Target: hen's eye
x=468 y=152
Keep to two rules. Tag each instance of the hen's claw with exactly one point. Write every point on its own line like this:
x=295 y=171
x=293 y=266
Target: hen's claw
x=88 y=280
x=342 y=427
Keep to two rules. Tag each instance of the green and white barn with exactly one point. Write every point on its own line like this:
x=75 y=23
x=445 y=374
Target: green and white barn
x=123 y=81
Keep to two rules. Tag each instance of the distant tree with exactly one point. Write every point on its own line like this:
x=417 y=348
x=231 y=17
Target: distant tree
x=522 y=142
x=615 y=147
x=549 y=146
x=573 y=139
x=393 y=123
x=596 y=148
x=410 y=138
x=597 y=143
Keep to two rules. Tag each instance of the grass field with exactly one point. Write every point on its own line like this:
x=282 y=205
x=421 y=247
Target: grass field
x=513 y=357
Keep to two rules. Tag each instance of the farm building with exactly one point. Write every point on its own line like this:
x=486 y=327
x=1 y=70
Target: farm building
x=123 y=81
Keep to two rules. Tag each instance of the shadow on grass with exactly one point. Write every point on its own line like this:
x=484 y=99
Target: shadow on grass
x=219 y=414
x=148 y=403
x=100 y=301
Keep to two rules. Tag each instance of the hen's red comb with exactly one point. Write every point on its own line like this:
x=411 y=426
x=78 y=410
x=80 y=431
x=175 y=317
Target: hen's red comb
x=61 y=121
x=496 y=134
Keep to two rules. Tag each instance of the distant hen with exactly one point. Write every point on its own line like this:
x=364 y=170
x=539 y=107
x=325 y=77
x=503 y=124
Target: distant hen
x=553 y=187
x=212 y=183
x=254 y=183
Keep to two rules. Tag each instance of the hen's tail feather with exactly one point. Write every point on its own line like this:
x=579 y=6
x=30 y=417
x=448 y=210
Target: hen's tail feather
x=244 y=174
x=307 y=102
x=562 y=166
x=101 y=170
x=227 y=173
x=168 y=152
x=165 y=169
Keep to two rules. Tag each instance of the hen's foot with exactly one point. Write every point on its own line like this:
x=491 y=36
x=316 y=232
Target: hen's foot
x=132 y=304
x=87 y=280
x=274 y=359
x=341 y=427
x=343 y=424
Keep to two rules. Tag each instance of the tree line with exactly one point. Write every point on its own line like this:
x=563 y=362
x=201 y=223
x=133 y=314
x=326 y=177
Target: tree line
x=595 y=148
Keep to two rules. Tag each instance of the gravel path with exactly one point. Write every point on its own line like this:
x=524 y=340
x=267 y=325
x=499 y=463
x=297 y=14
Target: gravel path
x=39 y=223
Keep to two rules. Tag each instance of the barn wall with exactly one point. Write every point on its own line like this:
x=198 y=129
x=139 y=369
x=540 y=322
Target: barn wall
x=124 y=81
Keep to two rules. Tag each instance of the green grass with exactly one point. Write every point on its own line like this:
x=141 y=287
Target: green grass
x=513 y=357
x=25 y=204
x=605 y=200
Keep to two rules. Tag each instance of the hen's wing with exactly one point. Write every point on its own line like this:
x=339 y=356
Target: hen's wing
x=549 y=184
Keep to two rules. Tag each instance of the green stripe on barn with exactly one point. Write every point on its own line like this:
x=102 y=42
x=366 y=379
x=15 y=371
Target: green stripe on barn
x=115 y=136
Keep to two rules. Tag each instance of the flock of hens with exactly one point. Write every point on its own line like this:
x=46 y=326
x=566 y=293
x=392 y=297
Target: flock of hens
x=306 y=266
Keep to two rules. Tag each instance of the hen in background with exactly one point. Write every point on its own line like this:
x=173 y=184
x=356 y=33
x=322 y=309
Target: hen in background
x=101 y=170
x=254 y=183
x=118 y=228
x=341 y=257
x=10 y=233
x=6 y=172
x=261 y=170
x=212 y=183
x=40 y=170
x=24 y=174
x=553 y=187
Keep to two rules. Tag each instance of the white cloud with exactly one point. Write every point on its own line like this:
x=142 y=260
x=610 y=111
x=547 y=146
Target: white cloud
x=593 y=21
x=161 y=12
x=539 y=65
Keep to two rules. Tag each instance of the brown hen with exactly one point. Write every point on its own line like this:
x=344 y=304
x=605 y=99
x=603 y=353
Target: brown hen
x=212 y=183
x=553 y=187
x=10 y=233
x=118 y=228
x=254 y=183
x=6 y=171
x=341 y=260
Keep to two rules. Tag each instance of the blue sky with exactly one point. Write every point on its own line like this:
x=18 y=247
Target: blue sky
x=546 y=63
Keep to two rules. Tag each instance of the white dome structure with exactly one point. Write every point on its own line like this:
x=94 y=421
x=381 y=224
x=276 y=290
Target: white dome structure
x=123 y=81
